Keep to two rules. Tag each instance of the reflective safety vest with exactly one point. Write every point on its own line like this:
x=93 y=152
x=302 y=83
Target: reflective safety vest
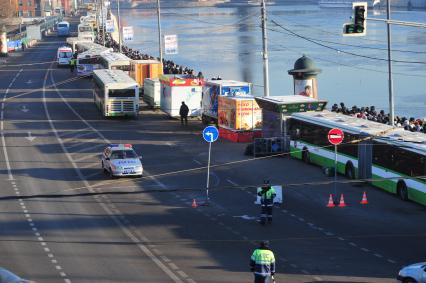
x=268 y=196
x=73 y=62
x=263 y=262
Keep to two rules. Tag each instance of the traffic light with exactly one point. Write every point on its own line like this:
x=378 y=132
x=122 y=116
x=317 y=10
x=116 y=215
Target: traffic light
x=358 y=27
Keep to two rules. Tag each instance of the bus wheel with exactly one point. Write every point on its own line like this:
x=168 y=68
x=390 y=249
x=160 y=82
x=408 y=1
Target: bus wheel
x=349 y=171
x=305 y=156
x=402 y=191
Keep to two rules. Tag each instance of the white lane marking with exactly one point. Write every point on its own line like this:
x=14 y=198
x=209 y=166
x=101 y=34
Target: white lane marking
x=173 y=266
x=196 y=161
x=340 y=238
x=123 y=228
x=365 y=250
x=352 y=244
x=318 y=278
x=391 y=261
x=86 y=149
x=3 y=139
x=61 y=136
x=304 y=271
x=293 y=265
x=378 y=255
x=232 y=182
x=182 y=274
x=87 y=156
x=63 y=274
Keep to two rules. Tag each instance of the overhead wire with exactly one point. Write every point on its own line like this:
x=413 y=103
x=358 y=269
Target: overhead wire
x=343 y=51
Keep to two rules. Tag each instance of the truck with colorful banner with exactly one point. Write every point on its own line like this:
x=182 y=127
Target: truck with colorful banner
x=176 y=89
x=212 y=89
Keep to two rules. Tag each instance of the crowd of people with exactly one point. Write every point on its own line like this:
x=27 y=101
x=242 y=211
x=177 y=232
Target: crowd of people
x=370 y=113
x=170 y=67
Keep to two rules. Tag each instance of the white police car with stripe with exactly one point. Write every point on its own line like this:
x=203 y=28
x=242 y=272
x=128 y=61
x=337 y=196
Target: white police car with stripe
x=121 y=160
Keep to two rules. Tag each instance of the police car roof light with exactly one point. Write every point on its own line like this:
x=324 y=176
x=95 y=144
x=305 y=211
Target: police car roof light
x=113 y=145
x=128 y=145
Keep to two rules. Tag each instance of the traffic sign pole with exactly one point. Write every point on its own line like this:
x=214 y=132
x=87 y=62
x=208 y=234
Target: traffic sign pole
x=210 y=135
x=208 y=174
x=335 y=175
x=335 y=136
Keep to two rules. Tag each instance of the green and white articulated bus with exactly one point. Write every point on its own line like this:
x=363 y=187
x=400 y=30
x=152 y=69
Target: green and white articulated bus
x=394 y=159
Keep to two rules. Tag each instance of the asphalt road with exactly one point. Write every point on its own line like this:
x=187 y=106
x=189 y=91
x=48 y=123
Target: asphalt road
x=63 y=220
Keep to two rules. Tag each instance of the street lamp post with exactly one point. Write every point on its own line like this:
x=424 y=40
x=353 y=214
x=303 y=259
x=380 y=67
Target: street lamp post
x=390 y=82
x=265 y=52
x=119 y=25
x=160 y=44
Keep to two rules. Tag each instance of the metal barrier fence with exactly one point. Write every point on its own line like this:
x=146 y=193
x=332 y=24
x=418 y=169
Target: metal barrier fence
x=268 y=146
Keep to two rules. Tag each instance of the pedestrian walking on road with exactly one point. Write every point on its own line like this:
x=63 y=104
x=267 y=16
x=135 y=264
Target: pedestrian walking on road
x=23 y=46
x=72 y=64
x=267 y=195
x=262 y=263
x=183 y=112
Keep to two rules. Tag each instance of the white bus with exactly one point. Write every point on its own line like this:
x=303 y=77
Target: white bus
x=86 y=32
x=115 y=93
x=63 y=28
x=393 y=158
x=116 y=61
x=89 y=60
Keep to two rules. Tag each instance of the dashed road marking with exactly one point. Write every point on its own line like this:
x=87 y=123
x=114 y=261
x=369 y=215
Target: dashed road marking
x=231 y=182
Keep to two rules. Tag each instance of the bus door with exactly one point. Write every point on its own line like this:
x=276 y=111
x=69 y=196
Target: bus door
x=365 y=159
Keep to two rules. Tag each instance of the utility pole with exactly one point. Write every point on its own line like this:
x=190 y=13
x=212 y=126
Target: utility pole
x=265 y=52
x=160 y=43
x=119 y=25
x=391 y=100
x=103 y=21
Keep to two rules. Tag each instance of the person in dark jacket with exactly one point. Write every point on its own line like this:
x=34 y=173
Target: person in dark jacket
x=262 y=263
x=183 y=112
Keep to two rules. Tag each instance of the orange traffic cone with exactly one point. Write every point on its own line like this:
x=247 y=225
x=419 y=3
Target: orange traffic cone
x=342 y=201
x=194 y=203
x=364 y=198
x=330 y=201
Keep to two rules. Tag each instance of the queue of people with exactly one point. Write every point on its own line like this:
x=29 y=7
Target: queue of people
x=370 y=113
x=170 y=67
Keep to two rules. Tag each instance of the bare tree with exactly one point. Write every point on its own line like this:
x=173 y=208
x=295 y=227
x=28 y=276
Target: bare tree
x=7 y=9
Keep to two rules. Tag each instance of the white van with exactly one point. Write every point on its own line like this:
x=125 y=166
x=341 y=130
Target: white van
x=64 y=55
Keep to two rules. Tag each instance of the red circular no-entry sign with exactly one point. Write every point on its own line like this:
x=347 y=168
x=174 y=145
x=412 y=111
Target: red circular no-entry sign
x=335 y=136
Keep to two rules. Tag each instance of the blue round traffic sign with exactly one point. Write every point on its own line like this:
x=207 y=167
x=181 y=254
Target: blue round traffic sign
x=210 y=134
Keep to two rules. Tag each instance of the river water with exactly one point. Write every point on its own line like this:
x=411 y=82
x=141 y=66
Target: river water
x=226 y=42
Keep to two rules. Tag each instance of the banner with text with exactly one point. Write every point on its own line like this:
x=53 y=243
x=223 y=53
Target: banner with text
x=109 y=25
x=171 y=44
x=127 y=34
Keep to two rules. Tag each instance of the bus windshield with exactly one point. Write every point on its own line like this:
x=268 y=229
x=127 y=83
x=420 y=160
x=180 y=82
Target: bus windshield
x=121 y=93
x=62 y=25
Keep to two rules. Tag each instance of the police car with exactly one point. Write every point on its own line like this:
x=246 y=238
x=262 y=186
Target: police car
x=121 y=160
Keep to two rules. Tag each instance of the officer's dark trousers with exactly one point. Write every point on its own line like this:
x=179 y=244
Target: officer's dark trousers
x=261 y=279
x=266 y=213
